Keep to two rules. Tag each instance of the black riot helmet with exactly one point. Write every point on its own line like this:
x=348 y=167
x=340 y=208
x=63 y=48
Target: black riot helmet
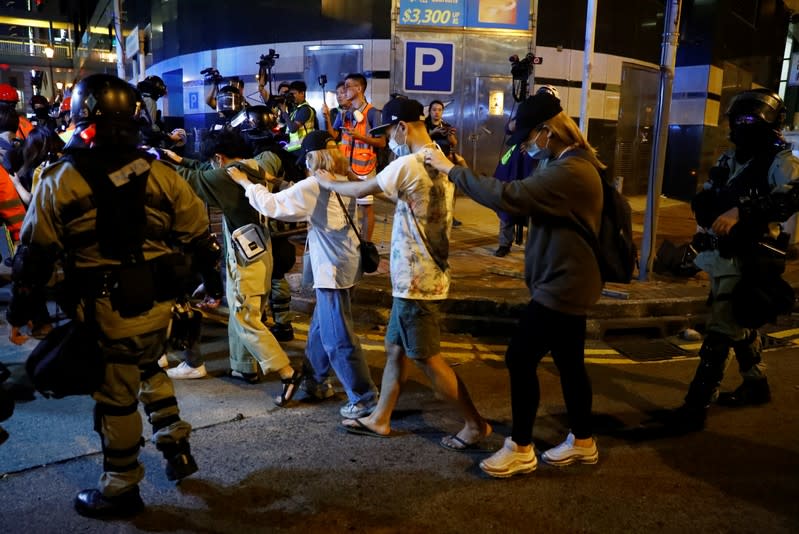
x=756 y=117
x=228 y=100
x=105 y=110
x=152 y=86
x=259 y=118
x=757 y=105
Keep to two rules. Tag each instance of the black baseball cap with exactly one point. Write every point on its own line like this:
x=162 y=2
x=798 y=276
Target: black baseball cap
x=397 y=109
x=315 y=140
x=538 y=108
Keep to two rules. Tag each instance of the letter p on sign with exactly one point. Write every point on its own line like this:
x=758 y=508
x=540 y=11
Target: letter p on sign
x=429 y=67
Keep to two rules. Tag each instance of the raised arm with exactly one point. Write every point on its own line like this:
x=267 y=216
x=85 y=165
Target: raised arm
x=348 y=189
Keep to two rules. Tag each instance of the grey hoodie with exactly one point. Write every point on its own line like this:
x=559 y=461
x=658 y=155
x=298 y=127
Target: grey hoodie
x=560 y=267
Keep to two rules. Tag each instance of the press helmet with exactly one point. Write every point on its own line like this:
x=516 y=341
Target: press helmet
x=757 y=105
x=8 y=94
x=105 y=110
x=228 y=100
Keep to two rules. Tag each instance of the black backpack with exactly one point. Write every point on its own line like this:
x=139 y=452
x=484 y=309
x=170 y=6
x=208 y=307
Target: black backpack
x=613 y=247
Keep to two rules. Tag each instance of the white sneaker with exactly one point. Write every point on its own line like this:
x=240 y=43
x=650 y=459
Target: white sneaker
x=509 y=461
x=163 y=362
x=184 y=371
x=357 y=410
x=568 y=453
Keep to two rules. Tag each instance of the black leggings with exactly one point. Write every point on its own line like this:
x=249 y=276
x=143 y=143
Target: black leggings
x=541 y=330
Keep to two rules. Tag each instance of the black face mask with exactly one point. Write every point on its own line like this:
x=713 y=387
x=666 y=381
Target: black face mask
x=41 y=113
x=752 y=137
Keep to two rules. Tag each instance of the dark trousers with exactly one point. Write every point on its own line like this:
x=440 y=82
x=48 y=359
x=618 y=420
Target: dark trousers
x=542 y=330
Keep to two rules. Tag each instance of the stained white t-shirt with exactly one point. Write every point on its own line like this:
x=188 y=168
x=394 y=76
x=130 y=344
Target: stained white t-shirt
x=421 y=230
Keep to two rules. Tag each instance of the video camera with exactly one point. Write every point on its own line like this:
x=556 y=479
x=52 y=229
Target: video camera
x=520 y=70
x=267 y=61
x=211 y=74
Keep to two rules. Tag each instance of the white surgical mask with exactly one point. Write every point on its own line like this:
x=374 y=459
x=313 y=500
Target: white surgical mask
x=399 y=149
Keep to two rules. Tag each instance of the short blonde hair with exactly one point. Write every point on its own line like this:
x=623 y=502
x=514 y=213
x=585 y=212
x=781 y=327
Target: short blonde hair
x=564 y=128
x=328 y=159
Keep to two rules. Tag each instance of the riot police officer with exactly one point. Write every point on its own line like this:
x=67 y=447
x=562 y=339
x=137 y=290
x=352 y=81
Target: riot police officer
x=732 y=241
x=116 y=220
x=152 y=88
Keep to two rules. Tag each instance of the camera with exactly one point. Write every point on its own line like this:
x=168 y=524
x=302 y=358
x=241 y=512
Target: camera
x=268 y=60
x=211 y=74
x=520 y=70
x=322 y=81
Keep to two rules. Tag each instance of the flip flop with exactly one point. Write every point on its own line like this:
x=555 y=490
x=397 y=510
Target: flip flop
x=463 y=445
x=362 y=430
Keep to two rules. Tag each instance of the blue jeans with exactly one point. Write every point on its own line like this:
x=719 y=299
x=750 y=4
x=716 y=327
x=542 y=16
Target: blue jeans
x=332 y=343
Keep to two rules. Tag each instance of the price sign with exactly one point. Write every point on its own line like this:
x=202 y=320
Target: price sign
x=432 y=12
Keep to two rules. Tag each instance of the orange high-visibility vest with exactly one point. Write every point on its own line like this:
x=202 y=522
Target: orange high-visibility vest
x=362 y=156
x=24 y=129
x=12 y=211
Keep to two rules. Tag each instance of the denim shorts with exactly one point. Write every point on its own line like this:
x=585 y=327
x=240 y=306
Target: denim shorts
x=414 y=325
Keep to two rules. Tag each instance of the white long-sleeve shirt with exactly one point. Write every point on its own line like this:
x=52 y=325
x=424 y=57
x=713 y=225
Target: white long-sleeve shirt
x=332 y=243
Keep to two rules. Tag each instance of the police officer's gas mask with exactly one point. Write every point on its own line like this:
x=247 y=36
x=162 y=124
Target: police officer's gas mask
x=749 y=132
x=41 y=112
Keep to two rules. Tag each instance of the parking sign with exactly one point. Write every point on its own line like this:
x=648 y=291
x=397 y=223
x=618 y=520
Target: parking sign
x=429 y=67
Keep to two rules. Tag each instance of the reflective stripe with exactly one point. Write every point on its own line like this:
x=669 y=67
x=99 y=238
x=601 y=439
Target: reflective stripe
x=295 y=138
x=363 y=157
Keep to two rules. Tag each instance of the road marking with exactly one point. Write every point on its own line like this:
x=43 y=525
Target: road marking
x=463 y=352
x=784 y=333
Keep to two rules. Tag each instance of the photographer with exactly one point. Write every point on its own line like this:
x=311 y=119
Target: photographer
x=301 y=119
x=442 y=132
x=730 y=244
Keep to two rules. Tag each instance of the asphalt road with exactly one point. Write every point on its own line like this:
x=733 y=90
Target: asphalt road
x=269 y=469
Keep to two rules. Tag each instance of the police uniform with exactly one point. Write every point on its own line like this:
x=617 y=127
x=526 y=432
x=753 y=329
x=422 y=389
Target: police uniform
x=63 y=221
x=770 y=167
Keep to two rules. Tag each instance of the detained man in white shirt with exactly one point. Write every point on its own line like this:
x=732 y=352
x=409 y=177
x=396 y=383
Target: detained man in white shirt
x=420 y=274
x=335 y=261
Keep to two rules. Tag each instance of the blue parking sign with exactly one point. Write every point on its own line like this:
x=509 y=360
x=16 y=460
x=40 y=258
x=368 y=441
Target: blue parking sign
x=429 y=67
x=194 y=101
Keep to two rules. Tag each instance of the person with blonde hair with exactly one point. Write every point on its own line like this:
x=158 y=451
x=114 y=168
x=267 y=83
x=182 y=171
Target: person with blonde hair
x=561 y=272
x=336 y=265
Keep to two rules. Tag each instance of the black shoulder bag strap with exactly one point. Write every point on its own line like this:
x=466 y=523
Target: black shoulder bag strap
x=349 y=219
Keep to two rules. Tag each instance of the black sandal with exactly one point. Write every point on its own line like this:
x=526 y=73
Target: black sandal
x=290 y=386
